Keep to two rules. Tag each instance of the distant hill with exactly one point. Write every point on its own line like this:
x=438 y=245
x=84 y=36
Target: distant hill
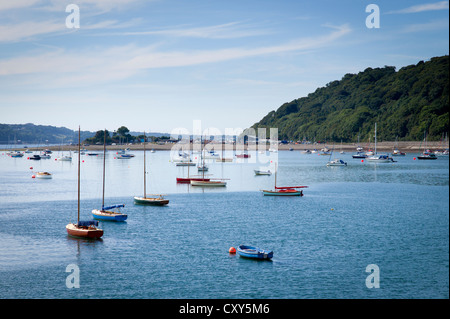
x=403 y=104
x=41 y=134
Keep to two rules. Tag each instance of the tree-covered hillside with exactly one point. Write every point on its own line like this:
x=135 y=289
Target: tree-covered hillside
x=403 y=104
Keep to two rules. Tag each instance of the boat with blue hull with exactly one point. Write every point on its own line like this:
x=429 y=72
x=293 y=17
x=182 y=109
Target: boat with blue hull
x=105 y=213
x=254 y=252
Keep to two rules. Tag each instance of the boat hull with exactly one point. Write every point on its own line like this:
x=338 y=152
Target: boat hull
x=181 y=180
x=44 y=175
x=427 y=157
x=254 y=253
x=150 y=201
x=258 y=172
x=84 y=232
x=108 y=215
x=282 y=193
x=208 y=183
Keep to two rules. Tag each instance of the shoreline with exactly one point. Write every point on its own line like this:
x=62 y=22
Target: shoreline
x=407 y=147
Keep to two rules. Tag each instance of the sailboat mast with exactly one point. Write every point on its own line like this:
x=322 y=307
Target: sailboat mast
x=104 y=162
x=79 y=151
x=145 y=191
x=375 y=138
x=276 y=176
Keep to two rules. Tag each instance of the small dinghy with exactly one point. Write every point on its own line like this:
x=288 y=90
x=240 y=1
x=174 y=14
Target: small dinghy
x=254 y=252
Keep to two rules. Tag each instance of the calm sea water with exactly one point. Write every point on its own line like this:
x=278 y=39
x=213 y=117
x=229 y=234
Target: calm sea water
x=395 y=216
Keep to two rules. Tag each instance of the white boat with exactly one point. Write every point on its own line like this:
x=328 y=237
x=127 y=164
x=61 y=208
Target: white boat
x=306 y=152
x=262 y=172
x=337 y=162
x=64 y=158
x=209 y=183
x=378 y=158
x=43 y=175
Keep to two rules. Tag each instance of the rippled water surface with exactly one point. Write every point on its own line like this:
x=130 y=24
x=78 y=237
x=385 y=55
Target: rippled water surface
x=393 y=215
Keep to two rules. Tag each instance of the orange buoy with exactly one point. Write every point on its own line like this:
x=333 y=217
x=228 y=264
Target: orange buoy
x=414 y=158
x=33 y=176
x=232 y=250
x=362 y=161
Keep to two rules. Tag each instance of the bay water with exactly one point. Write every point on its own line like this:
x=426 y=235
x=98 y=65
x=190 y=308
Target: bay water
x=394 y=216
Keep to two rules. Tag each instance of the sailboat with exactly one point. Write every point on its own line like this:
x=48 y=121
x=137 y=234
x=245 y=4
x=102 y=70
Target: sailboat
x=83 y=229
x=144 y=200
x=188 y=179
x=336 y=161
x=427 y=154
x=378 y=158
x=396 y=151
x=105 y=213
x=284 y=190
x=208 y=183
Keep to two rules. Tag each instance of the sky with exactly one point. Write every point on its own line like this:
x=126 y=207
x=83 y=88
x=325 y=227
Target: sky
x=160 y=65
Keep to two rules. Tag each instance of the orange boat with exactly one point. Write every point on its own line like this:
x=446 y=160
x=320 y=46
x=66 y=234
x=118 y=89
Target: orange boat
x=83 y=229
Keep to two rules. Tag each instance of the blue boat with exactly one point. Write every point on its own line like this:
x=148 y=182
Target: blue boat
x=105 y=214
x=254 y=252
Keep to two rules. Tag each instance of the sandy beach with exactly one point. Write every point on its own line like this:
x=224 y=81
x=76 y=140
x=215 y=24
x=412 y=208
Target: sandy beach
x=407 y=147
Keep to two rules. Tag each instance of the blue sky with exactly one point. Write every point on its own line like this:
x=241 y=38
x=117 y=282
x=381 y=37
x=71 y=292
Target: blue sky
x=157 y=65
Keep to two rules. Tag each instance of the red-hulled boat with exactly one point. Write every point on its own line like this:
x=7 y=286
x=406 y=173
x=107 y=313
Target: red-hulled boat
x=83 y=229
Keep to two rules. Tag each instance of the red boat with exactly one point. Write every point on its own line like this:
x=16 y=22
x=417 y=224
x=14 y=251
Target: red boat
x=242 y=155
x=188 y=180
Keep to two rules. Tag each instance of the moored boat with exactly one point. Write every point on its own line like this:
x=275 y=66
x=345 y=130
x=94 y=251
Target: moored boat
x=337 y=162
x=283 y=190
x=144 y=200
x=254 y=252
x=43 y=175
x=427 y=156
x=84 y=229
x=209 y=183
x=155 y=201
x=262 y=172
x=106 y=213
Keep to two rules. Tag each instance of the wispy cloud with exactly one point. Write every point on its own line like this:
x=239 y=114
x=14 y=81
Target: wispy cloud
x=6 y=5
x=99 y=65
x=429 y=26
x=442 y=5
x=221 y=31
x=184 y=58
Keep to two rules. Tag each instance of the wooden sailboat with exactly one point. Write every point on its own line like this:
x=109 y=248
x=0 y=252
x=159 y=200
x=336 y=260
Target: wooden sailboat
x=144 y=200
x=189 y=178
x=284 y=190
x=105 y=213
x=208 y=183
x=83 y=229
